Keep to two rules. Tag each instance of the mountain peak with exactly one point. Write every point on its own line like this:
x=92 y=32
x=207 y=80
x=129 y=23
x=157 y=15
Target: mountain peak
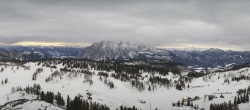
x=112 y=49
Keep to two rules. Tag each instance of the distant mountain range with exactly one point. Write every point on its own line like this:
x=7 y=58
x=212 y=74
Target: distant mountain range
x=9 y=55
x=40 y=52
x=212 y=57
x=110 y=50
x=128 y=52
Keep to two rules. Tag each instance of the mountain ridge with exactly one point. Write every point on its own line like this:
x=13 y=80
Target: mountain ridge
x=213 y=57
x=129 y=52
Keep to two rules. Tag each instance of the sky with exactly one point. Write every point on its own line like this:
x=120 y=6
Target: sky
x=221 y=24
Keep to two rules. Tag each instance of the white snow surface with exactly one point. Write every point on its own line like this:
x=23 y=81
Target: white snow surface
x=123 y=93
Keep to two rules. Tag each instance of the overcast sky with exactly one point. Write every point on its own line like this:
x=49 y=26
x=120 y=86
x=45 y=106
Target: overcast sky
x=204 y=24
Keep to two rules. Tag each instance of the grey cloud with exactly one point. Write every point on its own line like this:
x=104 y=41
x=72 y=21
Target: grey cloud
x=151 y=22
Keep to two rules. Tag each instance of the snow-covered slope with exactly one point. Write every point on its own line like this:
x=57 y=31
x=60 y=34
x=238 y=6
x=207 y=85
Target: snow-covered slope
x=25 y=104
x=111 y=49
x=159 y=96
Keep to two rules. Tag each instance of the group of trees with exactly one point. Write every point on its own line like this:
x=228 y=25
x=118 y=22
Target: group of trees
x=76 y=104
x=109 y=83
x=127 y=108
x=80 y=104
x=125 y=73
x=104 y=74
x=211 y=97
x=117 y=67
x=243 y=96
x=50 y=97
x=121 y=76
x=195 y=74
x=178 y=86
x=35 y=89
x=159 y=80
x=138 y=85
x=47 y=97
x=88 y=79
x=53 y=75
x=241 y=77
x=243 y=91
x=241 y=99
x=224 y=106
x=106 y=80
x=34 y=76
x=185 y=103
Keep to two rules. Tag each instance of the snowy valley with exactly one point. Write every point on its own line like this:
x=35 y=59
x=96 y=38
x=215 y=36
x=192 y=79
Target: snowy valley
x=116 y=86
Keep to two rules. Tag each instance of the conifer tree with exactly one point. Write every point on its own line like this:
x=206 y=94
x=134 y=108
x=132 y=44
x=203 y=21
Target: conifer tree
x=68 y=100
x=42 y=96
x=241 y=98
x=238 y=100
x=247 y=97
x=178 y=104
x=149 y=88
x=235 y=100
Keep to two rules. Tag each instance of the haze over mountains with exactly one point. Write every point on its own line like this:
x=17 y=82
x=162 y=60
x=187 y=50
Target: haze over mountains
x=127 y=52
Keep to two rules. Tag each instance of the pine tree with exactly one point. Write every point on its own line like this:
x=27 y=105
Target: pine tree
x=247 y=97
x=68 y=101
x=149 y=88
x=239 y=100
x=221 y=96
x=230 y=104
x=242 y=98
x=178 y=104
x=191 y=104
x=6 y=81
x=42 y=96
x=59 y=99
x=211 y=107
x=235 y=100
x=121 y=107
